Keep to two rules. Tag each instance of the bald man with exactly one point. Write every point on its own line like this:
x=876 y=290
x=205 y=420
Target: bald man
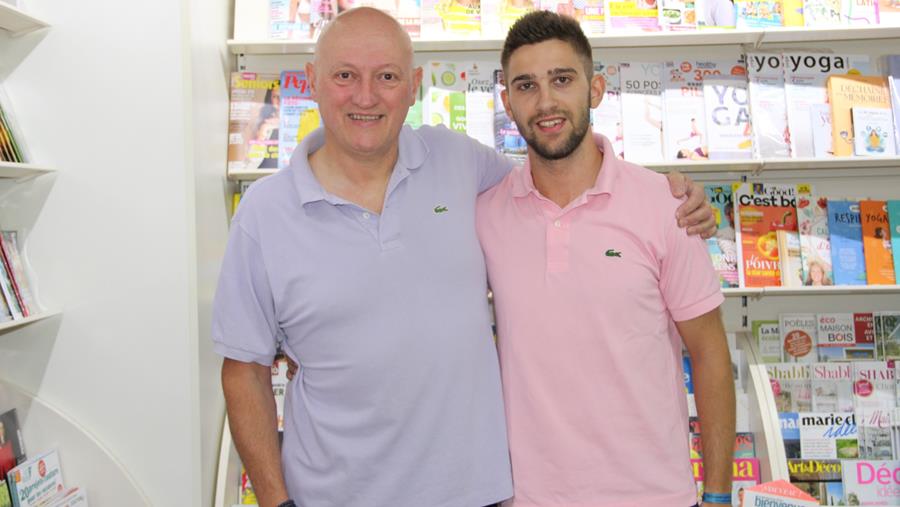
x=362 y=262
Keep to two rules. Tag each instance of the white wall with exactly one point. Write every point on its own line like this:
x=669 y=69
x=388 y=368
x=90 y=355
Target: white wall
x=106 y=99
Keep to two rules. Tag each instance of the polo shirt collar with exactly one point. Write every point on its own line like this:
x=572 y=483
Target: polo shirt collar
x=523 y=182
x=412 y=155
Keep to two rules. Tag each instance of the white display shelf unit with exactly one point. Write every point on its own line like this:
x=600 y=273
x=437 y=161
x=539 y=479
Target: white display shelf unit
x=16 y=171
x=832 y=290
x=16 y=22
x=756 y=38
x=711 y=166
x=13 y=324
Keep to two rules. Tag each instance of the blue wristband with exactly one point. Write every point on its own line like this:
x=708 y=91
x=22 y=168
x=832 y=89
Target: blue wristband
x=724 y=498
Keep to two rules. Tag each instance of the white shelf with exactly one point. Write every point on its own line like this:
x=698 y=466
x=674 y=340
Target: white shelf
x=611 y=40
x=13 y=170
x=15 y=21
x=12 y=324
x=250 y=175
x=709 y=166
x=833 y=290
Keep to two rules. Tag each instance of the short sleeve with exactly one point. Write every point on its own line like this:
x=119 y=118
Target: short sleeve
x=492 y=167
x=243 y=317
x=688 y=282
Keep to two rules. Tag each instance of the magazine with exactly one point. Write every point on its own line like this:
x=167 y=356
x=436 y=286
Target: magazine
x=828 y=435
x=876 y=233
x=299 y=114
x=767 y=103
x=832 y=387
x=845 y=230
x=728 y=117
x=768 y=340
x=253 y=119
x=799 y=337
x=815 y=245
x=722 y=247
x=606 y=119
x=642 y=98
x=864 y=485
x=791 y=386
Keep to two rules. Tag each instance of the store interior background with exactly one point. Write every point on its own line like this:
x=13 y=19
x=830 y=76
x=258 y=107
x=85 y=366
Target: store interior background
x=128 y=101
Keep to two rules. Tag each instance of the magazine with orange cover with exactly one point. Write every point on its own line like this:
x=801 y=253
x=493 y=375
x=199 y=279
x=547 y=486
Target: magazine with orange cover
x=877 y=243
x=845 y=92
x=763 y=209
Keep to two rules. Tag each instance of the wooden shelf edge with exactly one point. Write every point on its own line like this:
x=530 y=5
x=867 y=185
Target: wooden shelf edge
x=612 y=40
x=13 y=324
x=17 y=22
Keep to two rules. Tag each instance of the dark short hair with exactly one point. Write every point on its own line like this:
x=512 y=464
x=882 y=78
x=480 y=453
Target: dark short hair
x=539 y=26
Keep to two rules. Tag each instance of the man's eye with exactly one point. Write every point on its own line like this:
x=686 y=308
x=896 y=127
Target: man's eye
x=526 y=86
x=387 y=76
x=563 y=79
x=343 y=75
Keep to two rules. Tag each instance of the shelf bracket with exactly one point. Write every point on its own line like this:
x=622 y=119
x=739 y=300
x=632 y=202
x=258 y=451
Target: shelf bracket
x=242 y=62
x=759 y=168
x=759 y=40
x=744 y=317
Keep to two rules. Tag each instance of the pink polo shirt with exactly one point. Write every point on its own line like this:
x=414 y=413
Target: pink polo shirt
x=590 y=359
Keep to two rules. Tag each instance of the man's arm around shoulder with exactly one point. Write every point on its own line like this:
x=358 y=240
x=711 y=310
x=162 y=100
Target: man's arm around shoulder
x=704 y=337
x=254 y=428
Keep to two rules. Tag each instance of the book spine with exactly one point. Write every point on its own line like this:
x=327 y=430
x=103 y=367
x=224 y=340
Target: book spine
x=11 y=273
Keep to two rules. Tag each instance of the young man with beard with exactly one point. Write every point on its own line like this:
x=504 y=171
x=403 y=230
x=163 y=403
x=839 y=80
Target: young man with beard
x=593 y=283
x=361 y=260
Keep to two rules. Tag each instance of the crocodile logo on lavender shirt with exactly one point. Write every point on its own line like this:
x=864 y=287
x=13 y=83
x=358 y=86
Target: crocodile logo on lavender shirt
x=440 y=209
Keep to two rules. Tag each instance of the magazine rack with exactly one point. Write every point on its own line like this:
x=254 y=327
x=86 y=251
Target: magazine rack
x=856 y=177
x=84 y=459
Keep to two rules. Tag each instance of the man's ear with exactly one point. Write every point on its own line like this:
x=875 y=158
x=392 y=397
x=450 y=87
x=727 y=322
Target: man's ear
x=598 y=88
x=417 y=83
x=504 y=96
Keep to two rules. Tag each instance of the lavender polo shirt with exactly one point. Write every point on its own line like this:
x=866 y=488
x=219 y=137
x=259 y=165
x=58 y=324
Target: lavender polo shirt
x=398 y=399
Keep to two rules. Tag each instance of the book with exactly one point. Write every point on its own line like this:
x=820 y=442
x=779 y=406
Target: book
x=606 y=119
x=819 y=478
x=798 y=337
x=873 y=132
x=759 y=13
x=860 y=12
x=677 y=15
x=15 y=148
x=815 y=245
x=507 y=139
x=722 y=248
x=253 y=116
x=893 y=208
x=479 y=105
x=279 y=387
x=299 y=114
x=863 y=485
x=35 y=480
x=8 y=293
x=805 y=77
x=745 y=474
x=873 y=385
x=828 y=435
x=685 y=132
x=892 y=65
x=789 y=423
x=845 y=232
x=728 y=117
x=820 y=122
x=887 y=334
x=632 y=15
x=642 y=98
x=246 y=494
x=768 y=340
x=846 y=92
x=445 y=98
x=459 y=18
x=790 y=263
x=876 y=235
x=864 y=330
x=72 y=497
x=835 y=333
x=762 y=209
x=744 y=445
x=791 y=386
x=832 y=387
x=289 y=20
x=778 y=493
x=822 y=13
x=765 y=75
x=793 y=12
x=874 y=434
x=12 y=451
x=15 y=271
